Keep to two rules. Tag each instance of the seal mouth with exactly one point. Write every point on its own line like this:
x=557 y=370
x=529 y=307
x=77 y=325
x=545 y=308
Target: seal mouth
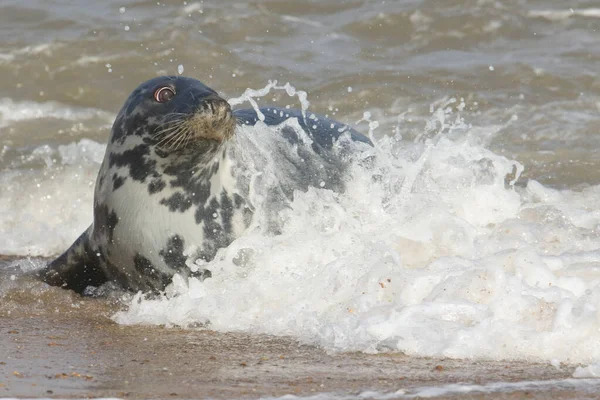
x=211 y=120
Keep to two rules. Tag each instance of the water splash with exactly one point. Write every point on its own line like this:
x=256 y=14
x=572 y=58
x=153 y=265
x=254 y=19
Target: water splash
x=249 y=95
x=432 y=251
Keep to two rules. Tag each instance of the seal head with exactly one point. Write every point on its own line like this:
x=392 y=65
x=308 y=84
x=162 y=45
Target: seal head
x=173 y=112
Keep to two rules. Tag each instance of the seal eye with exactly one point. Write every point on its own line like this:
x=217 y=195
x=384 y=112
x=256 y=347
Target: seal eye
x=164 y=94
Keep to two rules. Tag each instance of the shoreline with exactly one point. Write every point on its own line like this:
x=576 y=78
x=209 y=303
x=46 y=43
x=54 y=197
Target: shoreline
x=60 y=345
x=94 y=357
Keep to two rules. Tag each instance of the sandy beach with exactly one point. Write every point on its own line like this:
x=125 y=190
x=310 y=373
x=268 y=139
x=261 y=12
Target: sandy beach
x=72 y=349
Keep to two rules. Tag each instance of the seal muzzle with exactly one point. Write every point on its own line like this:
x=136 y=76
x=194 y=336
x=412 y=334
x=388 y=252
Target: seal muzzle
x=212 y=119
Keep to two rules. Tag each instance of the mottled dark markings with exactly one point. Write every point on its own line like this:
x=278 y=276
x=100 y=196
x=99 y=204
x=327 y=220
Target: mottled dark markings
x=216 y=217
x=118 y=181
x=323 y=135
x=193 y=184
x=238 y=200
x=115 y=274
x=105 y=221
x=161 y=153
x=118 y=133
x=75 y=269
x=138 y=125
x=226 y=211
x=177 y=202
x=240 y=203
x=201 y=274
x=132 y=104
x=290 y=135
x=212 y=228
x=149 y=272
x=173 y=253
x=144 y=265
x=131 y=125
x=156 y=185
x=137 y=160
x=313 y=164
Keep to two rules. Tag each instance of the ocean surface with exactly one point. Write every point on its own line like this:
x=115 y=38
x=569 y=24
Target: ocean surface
x=476 y=234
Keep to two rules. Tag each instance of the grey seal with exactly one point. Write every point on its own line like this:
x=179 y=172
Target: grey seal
x=173 y=176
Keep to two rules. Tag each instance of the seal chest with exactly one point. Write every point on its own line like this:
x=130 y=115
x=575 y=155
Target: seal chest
x=173 y=178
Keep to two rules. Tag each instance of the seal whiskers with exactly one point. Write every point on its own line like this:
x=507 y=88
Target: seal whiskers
x=167 y=136
x=212 y=120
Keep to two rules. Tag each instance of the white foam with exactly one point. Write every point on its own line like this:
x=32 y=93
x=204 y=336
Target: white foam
x=591 y=371
x=503 y=387
x=38 y=49
x=431 y=253
x=559 y=15
x=47 y=191
x=86 y=60
x=249 y=95
x=42 y=211
x=590 y=385
x=15 y=111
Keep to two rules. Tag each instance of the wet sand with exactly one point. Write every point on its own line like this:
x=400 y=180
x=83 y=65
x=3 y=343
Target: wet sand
x=56 y=344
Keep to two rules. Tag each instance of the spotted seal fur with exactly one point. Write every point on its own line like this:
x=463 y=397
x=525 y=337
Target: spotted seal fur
x=172 y=177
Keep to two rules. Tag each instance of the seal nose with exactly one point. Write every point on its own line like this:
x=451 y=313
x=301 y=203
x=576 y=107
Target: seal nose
x=215 y=105
x=213 y=118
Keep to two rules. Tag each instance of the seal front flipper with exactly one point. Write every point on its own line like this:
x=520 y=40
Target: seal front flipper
x=77 y=268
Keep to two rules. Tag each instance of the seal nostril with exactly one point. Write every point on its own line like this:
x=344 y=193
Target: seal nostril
x=216 y=106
